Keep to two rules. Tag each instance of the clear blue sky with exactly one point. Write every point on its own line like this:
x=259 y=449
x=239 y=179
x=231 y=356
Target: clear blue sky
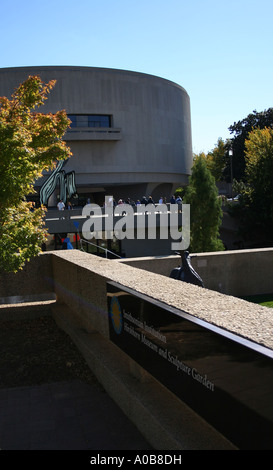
x=220 y=51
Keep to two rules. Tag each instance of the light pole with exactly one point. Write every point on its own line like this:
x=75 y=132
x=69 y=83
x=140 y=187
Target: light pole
x=230 y=152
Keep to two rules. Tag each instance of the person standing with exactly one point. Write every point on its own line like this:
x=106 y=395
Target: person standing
x=60 y=205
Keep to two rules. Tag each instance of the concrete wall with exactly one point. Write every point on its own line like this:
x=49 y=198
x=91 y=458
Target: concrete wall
x=79 y=282
x=83 y=292
x=237 y=272
x=33 y=282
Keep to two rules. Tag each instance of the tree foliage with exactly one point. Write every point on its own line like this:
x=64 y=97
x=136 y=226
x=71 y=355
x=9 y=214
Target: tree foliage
x=205 y=208
x=259 y=171
x=30 y=142
x=216 y=160
x=255 y=209
x=240 y=131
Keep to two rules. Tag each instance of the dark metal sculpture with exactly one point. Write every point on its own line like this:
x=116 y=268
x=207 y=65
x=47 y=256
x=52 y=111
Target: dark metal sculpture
x=185 y=272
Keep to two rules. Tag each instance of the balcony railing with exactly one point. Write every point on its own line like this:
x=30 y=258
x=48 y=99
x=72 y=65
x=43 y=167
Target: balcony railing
x=94 y=133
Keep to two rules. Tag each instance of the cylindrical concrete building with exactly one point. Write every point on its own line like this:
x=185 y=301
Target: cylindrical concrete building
x=130 y=132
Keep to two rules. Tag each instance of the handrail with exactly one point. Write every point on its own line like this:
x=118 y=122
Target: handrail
x=77 y=212
x=108 y=130
x=100 y=247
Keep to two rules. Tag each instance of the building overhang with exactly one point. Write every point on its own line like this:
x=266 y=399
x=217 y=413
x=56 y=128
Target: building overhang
x=102 y=133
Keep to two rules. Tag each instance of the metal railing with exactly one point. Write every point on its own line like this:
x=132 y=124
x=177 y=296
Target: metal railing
x=77 y=212
x=98 y=247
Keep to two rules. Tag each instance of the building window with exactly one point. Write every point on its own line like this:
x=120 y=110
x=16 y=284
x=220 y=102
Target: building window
x=89 y=120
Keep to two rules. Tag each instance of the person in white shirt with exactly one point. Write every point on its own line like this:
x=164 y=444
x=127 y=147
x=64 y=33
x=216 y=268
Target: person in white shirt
x=61 y=205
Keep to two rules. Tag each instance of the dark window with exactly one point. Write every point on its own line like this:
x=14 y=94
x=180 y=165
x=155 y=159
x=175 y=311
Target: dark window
x=98 y=121
x=73 y=120
x=82 y=121
x=89 y=120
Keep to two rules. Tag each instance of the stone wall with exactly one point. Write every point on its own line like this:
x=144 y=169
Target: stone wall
x=238 y=272
x=33 y=283
x=79 y=282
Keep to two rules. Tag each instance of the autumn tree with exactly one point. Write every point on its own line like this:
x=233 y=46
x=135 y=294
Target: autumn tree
x=30 y=142
x=254 y=212
x=205 y=208
x=259 y=171
x=240 y=131
x=216 y=159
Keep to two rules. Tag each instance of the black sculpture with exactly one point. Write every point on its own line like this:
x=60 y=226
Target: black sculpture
x=185 y=272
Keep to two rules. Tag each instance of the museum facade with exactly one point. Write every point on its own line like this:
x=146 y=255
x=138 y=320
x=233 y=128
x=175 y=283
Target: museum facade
x=130 y=133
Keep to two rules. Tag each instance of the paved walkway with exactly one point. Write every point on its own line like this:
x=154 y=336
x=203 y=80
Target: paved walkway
x=64 y=416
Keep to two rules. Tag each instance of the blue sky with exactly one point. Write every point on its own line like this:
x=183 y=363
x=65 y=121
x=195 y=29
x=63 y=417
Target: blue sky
x=220 y=51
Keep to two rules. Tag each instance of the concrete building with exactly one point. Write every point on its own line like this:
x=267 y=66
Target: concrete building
x=130 y=132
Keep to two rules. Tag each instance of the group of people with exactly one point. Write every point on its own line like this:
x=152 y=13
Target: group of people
x=162 y=200
x=61 y=205
x=144 y=200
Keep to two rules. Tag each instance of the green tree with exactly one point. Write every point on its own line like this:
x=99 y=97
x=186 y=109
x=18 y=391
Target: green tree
x=259 y=171
x=254 y=212
x=30 y=142
x=205 y=208
x=241 y=131
x=216 y=160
